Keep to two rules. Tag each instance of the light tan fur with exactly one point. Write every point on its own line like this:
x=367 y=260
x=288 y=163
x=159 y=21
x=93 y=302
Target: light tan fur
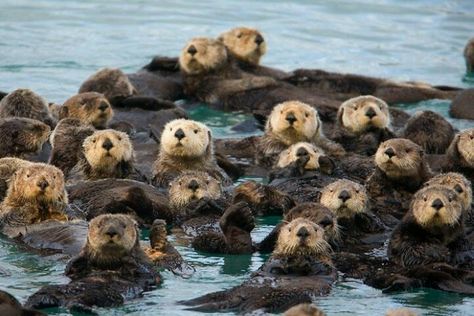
x=465 y=145
x=111 y=82
x=304 y=310
x=356 y=203
x=180 y=194
x=246 y=44
x=427 y=216
x=401 y=312
x=456 y=182
x=289 y=155
x=90 y=108
x=352 y=114
x=210 y=54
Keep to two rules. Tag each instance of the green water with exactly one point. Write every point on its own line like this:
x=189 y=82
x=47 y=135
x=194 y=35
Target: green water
x=51 y=46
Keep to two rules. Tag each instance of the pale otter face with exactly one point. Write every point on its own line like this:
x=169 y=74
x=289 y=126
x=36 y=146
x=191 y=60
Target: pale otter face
x=112 y=234
x=456 y=182
x=191 y=186
x=469 y=55
x=345 y=198
x=364 y=113
x=244 y=43
x=466 y=146
x=304 y=310
x=294 y=152
x=105 y=149
x=185 y=138
x=39 y=182
x=399 y=158
x=90 y=107
x=201 y=55
x=436 y=206
x=401 y=312
x=301 y=236
x=293 y=122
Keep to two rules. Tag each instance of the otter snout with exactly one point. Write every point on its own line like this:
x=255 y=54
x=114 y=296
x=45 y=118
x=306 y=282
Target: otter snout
x=111 y=232
x=344 y=195
x=179 y=134
x=259 y=39
x=192 y=50
x=43 y=184
x=370 y=113
x=291 y=118
x=103 y=106
x=193 y=185
x=390 y=152
x=107 y=144
x=437 y=204
x=303 y=233
x=302 y=152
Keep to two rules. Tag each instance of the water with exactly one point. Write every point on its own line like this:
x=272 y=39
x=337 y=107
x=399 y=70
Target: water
x=51 y=46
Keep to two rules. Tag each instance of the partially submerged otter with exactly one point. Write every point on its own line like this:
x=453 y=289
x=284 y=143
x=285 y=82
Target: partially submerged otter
x=469 y=55
x=185 y=146
x=21 y=136
x=9 y=306
x=110 y=269
x=299 y=269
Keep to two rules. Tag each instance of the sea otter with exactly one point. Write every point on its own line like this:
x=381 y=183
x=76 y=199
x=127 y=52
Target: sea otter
x=9 y=306
x=110 y=268
x=186 y=145
x=8 y=167
x=26 y=103
x=469 y=55
x=299 y=269
x=304 y=310
x=21 y=136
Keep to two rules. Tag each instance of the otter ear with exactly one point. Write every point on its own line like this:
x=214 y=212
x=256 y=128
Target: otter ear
x=452 y=150
x=326 y=165
x=63 y=112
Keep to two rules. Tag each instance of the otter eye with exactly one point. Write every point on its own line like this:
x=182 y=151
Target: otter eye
x=425 y=199
x=196 y=131
x=27 y=175
x=306 y=114
x=120 y=138
x=458 y=188
x=357 y=191
x=471 y=137
x=124 y=226
x=281 y=112
x=94 y=140
x=239 y=35
x=407 y=150
x=289 y=229
x=207 y=182
x=171 y=128
x=180 y=182
x=325 y=222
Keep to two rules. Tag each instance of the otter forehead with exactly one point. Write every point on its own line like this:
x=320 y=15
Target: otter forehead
x=345 y=184
x=124 y=220
x=41 y=168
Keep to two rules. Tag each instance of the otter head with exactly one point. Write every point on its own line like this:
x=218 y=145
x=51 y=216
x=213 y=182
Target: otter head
x=202 y=55
x=317 y=159
x=399 y=158
x=456 y=182
x=25 y=135
x=463 y=146
x=318 y=214
x=401 y=312
x=301 y=237
x=112 y=236
x=436 y=206
x=345 y=198
x=107 y=148
x=469 y=55
x=191 y=186
x=90 y=108
x=9 y=306
x=245 y=44
x=363 y=113
x=111 y=82
x=294 y=121
x=186 y=138
x=304 y=310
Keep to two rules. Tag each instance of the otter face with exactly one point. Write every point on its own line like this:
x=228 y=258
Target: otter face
x=399 y=158
x=25 y=103
x=244 y=43
x=186 y=138
x=364 y=113
x=304 y=310
x=469 y=55
x=301 y=236
x=296 y=151
x=456 y=182
x=293 y=122
x=112 y=234
x=39 y=182
x=345 y=198
x=27 y=135
x=89 y=107
x=105 y=149
x=436 y=206
x=201 y=55
x=111 y=82
x=191 y=186
x=466 y=146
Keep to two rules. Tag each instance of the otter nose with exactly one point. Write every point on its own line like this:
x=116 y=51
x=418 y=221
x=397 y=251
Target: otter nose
x=390 y=153
x=111 y=232
x=301 y=152
x=193 y=185
x=437 y=204
x=179 y=134
x=192 y=50
x=43 y=184
x=458 y=188
x=370 y=113
x=290 y=117
x=103 y=106
x=302 y=233
x=259 y=39
x=344 y=195
x=107 y=144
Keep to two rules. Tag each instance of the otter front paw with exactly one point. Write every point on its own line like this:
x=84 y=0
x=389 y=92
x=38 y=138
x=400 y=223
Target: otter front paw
x=238 y=215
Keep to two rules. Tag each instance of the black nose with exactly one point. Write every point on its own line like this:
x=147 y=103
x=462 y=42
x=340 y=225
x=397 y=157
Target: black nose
x=43 y=184
x=437 y=204
x=192 y=50
x=344 y=195
x=390 y=153
x=193 y=185
x=103 y=106
x=111 y=232
x=107 y=144
x=302 y=232
x=259 y=39
x=301 y=152
x=291 y=118
x=458 y=188
x=370 y=113
x=179 y=134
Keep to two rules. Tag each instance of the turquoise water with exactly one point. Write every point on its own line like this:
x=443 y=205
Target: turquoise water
x=51 y=46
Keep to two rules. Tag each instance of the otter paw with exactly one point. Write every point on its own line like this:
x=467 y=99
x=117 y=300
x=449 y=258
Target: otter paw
x=238 y=215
